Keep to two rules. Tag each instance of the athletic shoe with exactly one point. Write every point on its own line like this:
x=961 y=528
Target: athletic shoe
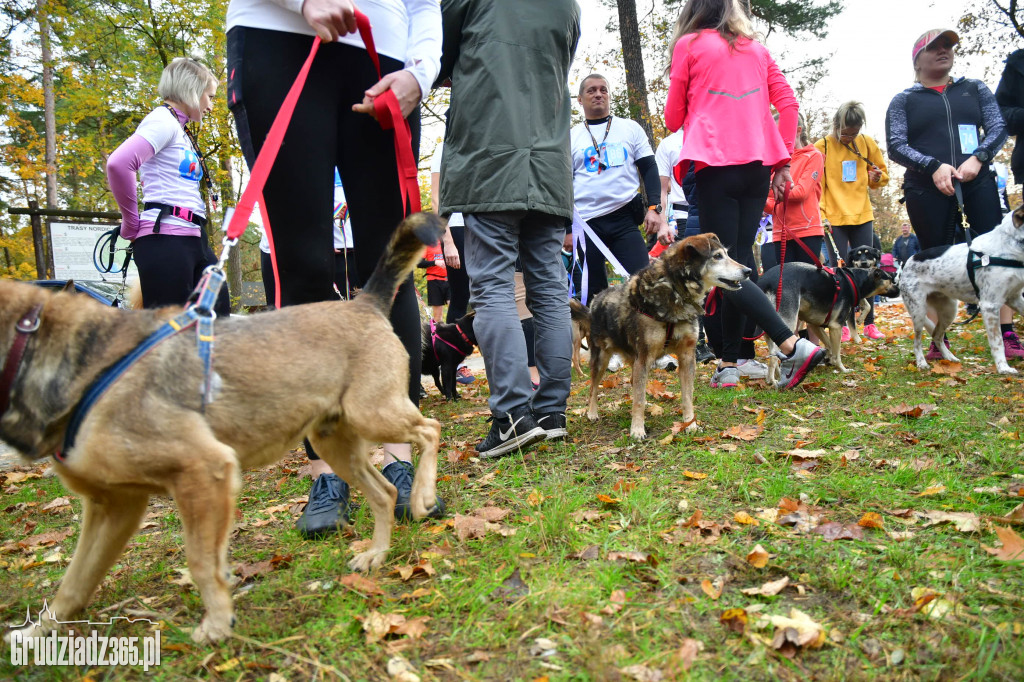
x=666 y=362
x=725 y=377
x=327 y=509
x=515 y=431
x=553 y=424
x=793 y=368
x=615 y=364
x=846 y=334
x=1012 y=346
x=871 y=331
x=703 y=352
x=972 y=310
x=933 y=351
x=400 y=474
x=752 y=369
x=464 y=376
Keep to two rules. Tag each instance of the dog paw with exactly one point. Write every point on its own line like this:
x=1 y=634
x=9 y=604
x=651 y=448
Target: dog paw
x=692 y=427
x=14 y=637
x=367 y=561
x=638 y=434
x=592 y=416
x=212 y=630
x=1007 y=370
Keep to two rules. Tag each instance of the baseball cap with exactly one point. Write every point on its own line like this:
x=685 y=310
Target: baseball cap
x=930 y=37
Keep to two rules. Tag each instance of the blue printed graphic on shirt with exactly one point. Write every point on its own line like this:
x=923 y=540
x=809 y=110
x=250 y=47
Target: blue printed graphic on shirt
x=591 y=160
x=189 y=166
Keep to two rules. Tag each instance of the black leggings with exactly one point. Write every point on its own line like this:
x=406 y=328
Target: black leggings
x=935 y=218
x=458 y=282
x=170 y=267
x=731 y=204
x=794 y=254
x=344 y=274
x=324 y=134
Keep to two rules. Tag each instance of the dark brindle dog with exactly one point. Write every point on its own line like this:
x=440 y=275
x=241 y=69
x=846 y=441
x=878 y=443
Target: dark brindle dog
x=445 y=346
x=655 y=312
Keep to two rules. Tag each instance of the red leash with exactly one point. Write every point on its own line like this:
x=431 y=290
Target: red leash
x=389 y=115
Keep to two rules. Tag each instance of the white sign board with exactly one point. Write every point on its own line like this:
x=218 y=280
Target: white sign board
x=73 y=245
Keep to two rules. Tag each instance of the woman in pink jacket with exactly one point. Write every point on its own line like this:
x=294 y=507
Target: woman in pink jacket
x=722 y=83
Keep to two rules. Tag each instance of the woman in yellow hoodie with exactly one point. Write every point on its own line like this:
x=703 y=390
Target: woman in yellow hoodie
x=853 y=164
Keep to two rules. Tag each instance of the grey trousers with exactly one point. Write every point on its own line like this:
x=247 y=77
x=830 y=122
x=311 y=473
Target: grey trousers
x=493 y=242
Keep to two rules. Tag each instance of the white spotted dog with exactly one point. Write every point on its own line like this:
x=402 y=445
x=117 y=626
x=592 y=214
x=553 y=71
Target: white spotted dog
x=989 y=272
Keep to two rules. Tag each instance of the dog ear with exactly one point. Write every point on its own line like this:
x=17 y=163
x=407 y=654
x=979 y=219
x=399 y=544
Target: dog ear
x=69 y=286
x=1018 y=216
x=700 y=246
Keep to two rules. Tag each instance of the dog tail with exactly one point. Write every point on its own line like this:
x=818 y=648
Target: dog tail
x=403 y=252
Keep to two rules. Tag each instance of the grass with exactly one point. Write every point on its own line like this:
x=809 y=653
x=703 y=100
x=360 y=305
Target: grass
x=528 y=600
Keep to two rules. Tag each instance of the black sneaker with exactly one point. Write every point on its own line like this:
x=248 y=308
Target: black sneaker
x=400 y=474
x=326 y=511
x=514 y=431
x=703 y=352
x=553 y=424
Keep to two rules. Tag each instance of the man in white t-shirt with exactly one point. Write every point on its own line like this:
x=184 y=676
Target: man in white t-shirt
x=611 y=157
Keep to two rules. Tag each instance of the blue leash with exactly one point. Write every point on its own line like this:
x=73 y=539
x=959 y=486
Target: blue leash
x=200 y=314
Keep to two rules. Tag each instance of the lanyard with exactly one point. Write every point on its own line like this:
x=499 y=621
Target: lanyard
x=597 y=148
x=857 y=153
x=202 y=159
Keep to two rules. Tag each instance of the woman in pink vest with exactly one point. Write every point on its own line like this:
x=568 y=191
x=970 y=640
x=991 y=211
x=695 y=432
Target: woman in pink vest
x=722 y=83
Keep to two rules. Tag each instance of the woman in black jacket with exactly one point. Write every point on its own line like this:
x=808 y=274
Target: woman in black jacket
x=1010 y=96
x=946 y=132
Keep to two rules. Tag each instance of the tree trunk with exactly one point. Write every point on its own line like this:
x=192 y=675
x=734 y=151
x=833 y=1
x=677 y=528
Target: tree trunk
x=50 y=124
x=633 y=60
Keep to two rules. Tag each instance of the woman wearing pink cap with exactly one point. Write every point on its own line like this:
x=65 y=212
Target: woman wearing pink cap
x=946 y=131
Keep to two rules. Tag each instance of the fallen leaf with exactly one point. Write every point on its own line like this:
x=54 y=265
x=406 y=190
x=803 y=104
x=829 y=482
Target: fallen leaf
x=637 y=557
x=608 y=499
x=710 y=589
x=512 y=588
x=743 y=432
x=694 y=475
x=947 y=367
x=469 y=527
x=734 y=619
x=838 y=531
x=361 y=584
x=758 y=557
x=871 y=520
x=227 y=665
x=1013 y=545
x=624 y=486
x=768 y=589
x=965 y=522
x=46 y=539
x=1015 y=516
x=913 y=411
x=800 y=453
x=19 y=476
x=535 y=498
x=56 y=504
x=618 y=600
x=408 y=571
x=797 y=629
x=588 y=553
x=933 y=490
x=642 y=673
x=687 y=653
x=491 y=514
x=745 y=518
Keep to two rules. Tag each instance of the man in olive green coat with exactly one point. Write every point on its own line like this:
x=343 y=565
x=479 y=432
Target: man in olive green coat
x=506 y=168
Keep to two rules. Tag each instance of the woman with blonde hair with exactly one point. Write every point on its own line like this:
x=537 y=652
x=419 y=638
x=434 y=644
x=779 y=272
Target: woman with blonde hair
x=853 y=165
x=168 y=236
x=721 y=81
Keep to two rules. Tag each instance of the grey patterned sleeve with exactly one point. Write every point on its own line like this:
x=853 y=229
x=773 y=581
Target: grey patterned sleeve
x=900 y=150
x=992 y=117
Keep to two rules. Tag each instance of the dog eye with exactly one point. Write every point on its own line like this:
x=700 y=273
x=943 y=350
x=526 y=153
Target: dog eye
x=719 y=256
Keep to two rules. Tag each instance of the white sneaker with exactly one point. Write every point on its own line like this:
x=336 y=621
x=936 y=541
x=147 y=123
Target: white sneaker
x=752 y=369
x=666 y=362
x=615 y=364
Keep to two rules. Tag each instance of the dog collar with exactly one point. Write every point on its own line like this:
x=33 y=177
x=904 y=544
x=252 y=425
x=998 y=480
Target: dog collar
x=24 y=328
x=434 y=338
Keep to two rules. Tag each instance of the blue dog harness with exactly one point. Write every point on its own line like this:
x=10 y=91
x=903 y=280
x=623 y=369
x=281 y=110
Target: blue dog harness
x=200 y=314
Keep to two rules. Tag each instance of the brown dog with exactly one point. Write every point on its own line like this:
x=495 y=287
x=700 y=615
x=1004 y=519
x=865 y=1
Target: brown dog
x=580 y=317
x=279 y=376
x=655 y=312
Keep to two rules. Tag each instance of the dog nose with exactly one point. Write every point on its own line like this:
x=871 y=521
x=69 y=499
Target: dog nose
x=746 y=272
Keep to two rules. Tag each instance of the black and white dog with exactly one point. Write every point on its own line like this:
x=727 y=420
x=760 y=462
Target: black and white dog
x=989 y=272
x=444 y=347
x=812 y=295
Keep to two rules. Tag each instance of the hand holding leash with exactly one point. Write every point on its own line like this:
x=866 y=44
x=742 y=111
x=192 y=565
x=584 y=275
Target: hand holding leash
x=943 y=178
x=780 y=180
x=969 y=169
x=402 y=83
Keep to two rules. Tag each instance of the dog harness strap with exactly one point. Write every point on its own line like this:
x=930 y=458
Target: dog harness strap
x=176 y=211
x=464 y=337
x=114 y=372
x=976 y=260
x=24 y=328
x=670 y=327
x=434 y=338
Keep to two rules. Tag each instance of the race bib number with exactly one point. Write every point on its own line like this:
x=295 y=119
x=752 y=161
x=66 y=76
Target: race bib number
x=849 y=171
x=616 y=154
x=968 y=138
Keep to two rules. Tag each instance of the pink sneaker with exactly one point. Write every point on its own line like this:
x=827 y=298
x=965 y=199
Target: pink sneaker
x=871 y=331
x=933 y=351
x=846 y=334
x=1012 y=346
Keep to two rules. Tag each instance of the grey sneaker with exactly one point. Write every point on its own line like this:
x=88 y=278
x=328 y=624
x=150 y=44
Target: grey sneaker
x=725 y=377
x=327 y=509
x=792 y=369
x=752 y=369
